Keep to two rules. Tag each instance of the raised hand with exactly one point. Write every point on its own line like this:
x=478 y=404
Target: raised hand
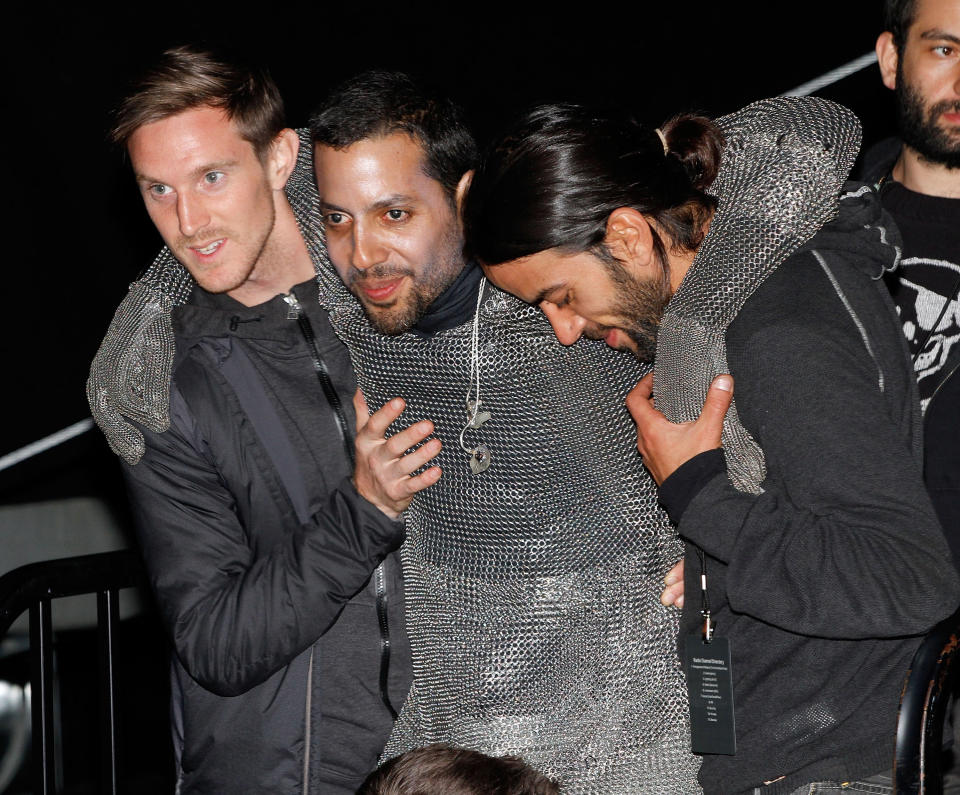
x=383 y=467
x=665 y=445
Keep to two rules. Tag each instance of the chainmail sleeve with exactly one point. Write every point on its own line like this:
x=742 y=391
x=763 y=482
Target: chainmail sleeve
x=130 y=374
x=784 y=164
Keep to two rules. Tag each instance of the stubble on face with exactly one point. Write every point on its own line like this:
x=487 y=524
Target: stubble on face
x=254 y=252
x=641 y=303
x=920 y=127
x=425 y=286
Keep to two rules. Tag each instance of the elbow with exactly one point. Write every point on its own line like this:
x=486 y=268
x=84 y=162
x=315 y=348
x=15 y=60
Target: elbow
x=216 y=660
x=221 y=675
x=935 y=595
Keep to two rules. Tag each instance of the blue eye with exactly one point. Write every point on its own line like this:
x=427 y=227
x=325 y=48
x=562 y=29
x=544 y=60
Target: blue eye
x=160 y=190
x=213 y=177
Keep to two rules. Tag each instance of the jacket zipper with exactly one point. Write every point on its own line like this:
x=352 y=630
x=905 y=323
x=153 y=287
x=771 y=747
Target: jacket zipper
x=295 y=312
x=308 y=723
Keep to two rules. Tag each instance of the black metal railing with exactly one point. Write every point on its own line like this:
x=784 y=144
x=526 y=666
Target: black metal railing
x=923 y=705
x=31 y=588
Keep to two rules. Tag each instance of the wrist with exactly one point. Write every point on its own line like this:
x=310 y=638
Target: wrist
x=678 y=490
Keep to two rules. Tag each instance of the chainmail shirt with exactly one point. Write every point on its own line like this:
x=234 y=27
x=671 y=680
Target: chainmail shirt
x=532 y=589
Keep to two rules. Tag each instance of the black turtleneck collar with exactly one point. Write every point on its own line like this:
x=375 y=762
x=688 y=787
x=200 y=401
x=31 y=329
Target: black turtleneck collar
x=454 y=306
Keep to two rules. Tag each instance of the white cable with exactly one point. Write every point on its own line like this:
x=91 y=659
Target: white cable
x=39 y=446
x=833 y=76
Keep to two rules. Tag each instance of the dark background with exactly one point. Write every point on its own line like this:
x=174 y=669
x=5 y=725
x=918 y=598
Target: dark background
x=74 y=224
x=75 y=231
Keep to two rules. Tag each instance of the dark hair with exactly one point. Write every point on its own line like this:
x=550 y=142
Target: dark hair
x=554 y=179
x=379 y=103
x=441 y=770
x=188 y=77
x=898 y=16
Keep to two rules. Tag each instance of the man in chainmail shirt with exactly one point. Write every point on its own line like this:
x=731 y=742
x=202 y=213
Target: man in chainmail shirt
x=721 y=248
x=533 y=572
x=532 y=569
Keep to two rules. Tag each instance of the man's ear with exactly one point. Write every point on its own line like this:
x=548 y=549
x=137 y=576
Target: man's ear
x=462 y=187
x=282 y=158
x=887 y=58
x=629 y=238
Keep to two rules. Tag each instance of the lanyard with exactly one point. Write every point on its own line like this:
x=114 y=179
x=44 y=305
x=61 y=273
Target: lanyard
x=709 y=625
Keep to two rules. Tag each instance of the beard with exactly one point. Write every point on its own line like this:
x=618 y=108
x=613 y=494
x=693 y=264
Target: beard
x=641 y=304
x=919 y=128
x=426 y=284
x=250 y=250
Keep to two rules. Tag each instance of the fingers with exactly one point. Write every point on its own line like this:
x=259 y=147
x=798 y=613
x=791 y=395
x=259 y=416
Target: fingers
x=417 y=458
x=673 y=592
x=376 y=426
x=423 y=480
x=672 y=595
x=403 y=440
x=383 y=465
x=675 y=574
x=360 y=409
x=718 y=400
x=644 y=387
x=639 y=402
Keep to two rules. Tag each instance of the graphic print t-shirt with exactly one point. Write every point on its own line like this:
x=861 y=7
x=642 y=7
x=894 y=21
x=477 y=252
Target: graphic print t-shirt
x=928 y=280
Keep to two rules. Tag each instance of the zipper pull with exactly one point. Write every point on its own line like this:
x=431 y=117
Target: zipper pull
x=293 y=313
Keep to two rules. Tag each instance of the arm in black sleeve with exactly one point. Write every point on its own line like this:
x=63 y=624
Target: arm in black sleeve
x=676 y=492
x=237 y=614
x=843 y=542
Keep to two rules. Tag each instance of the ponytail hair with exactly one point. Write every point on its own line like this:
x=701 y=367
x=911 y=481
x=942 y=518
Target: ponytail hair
x=553 y=180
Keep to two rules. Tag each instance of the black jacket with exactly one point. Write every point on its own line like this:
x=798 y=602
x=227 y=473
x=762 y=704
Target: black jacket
x=260 y=551
x=824 y=582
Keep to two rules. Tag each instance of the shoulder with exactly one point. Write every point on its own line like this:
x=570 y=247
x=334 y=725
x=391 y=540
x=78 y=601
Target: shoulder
x=797 y=297
x=839 y=270
x=879 y=159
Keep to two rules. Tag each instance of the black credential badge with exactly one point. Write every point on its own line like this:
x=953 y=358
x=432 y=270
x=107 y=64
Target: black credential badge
x=709 y=683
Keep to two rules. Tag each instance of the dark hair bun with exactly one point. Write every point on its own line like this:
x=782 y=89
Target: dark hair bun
x=697 y=143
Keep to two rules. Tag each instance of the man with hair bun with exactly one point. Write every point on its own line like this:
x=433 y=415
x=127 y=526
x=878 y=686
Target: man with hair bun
x=734 y=249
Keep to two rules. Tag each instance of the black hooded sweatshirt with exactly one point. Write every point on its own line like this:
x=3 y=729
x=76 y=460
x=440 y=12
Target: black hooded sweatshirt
x=825 y=582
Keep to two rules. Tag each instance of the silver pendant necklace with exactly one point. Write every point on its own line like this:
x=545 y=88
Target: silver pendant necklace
x=476 y=415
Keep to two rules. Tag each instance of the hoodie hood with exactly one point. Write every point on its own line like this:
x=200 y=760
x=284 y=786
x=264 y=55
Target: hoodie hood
x=863 y=232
